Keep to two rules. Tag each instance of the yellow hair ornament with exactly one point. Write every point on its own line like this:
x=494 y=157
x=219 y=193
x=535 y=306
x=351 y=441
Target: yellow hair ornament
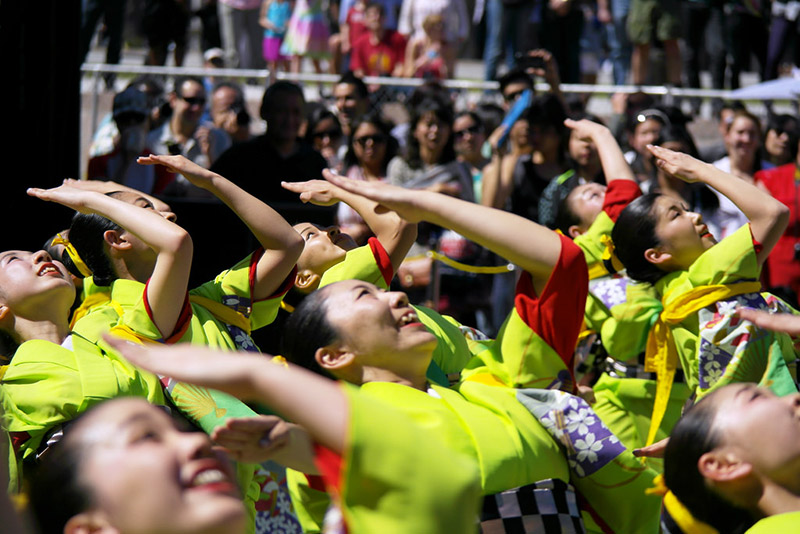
x=610 y=259
x=659 y=487
x=73 y=254
x=280 y=360
x=288 y=308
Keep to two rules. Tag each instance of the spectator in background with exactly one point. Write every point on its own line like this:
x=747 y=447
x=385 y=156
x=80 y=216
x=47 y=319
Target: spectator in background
x=742 y=141
x=369 y=152
x=351 y=29
x=660 y=19
x=644 y=128
x=241 y=33
x=185 y=134
x=782 y=29
x=560 y=34
x=324 y=134
x=131 y=116
x=306 y=35
x=747 y=36
x=274 y=18
x=780 y=141
x=724 y=115
x=705 y=35
x=430 y=56
x=614 y=15
x=228 y=111
x=104 y=138
x=379 y=51
x=453 y=12
x=260 y=164
x=507 y=33
x=469 y=135
x=783 y=264
x=113 y=13
x=165 y=23
x=351 y=99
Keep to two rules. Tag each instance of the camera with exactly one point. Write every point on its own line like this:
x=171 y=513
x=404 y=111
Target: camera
x=524 y=61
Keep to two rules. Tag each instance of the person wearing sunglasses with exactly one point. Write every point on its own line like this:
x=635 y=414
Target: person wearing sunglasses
x=324 y=134
x=185 y=134
x=369 y=151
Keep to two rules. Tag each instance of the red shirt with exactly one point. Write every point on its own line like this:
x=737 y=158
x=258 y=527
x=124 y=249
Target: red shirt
x=355 y=25
x=379 y=59
x=781 y=267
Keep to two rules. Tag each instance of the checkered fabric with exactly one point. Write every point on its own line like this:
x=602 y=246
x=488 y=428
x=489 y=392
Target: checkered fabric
x=545 y=507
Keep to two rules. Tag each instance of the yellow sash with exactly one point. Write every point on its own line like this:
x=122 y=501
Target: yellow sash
x=223 y=313
x=88 y=303
x=661 y=355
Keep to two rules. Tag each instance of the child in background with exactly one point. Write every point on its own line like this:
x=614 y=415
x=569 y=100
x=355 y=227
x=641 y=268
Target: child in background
x=430 y=56
x=274 y=18
x=307 y=35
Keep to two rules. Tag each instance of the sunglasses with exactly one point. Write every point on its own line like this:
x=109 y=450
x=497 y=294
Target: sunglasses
x=474 y=129
x=331 y=134
x=194 y=100
x=376 y=139
x=510 y=97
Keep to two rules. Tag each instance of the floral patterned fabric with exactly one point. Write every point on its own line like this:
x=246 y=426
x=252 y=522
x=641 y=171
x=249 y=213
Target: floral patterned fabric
x=714 y=346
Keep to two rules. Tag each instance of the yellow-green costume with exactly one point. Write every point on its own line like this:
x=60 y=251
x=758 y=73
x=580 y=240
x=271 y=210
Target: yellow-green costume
x=519 y=435
x=220 y=313
x=714 y=346
x=785 y=523
x=47 y=385
x=438 y=491
x=621 y=312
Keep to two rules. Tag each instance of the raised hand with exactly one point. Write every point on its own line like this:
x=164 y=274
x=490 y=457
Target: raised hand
x=317 y=192
x=66 y=195
x=197 y=175
x=678 y=164
x=395 y=198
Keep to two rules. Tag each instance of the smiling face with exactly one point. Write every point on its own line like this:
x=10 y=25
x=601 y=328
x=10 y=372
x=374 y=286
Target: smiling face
x=468 y=137
x=349 y=104
x=431 y=133
x=188 y=102
x=762 y=429
x=395 y=341
x=743 y=137
x=680 y=232
x=29 y=280
x=146 y=476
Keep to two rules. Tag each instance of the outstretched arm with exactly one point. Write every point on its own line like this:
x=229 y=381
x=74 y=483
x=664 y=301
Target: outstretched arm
x=312 y=401
x=168 y=283
x=768 y=216
x=282 y=245
x=395 y=233
x=105 y=187
x=615 y=167
x=521 y=241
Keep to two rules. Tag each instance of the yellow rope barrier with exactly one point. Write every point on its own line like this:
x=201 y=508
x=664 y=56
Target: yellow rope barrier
x=470 y=268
